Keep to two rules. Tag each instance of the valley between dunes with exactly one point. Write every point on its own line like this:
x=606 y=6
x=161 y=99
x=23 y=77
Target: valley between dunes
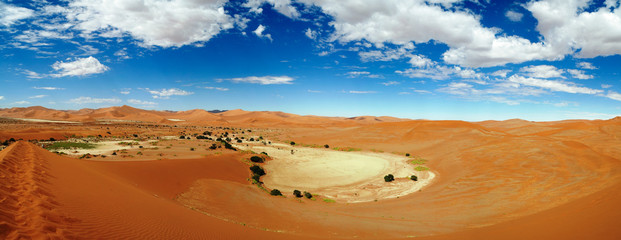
x=511 y=179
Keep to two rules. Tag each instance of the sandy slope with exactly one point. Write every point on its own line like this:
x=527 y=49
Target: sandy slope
x=497 y=180
x=48 y=196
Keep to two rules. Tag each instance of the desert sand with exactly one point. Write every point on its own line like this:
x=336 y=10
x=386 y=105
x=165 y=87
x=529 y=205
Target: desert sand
x=511 y=179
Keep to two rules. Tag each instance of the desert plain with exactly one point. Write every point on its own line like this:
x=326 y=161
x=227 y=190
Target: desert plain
x=128 y=173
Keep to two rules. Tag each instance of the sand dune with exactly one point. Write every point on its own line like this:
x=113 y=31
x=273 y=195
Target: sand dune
x=495 y=180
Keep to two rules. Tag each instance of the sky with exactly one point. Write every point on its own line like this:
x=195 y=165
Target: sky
x=474 y=60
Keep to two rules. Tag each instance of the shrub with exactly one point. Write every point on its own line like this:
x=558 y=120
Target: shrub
x=229 y=146
x=239 y=141
x=258 y=170
x=275 y=192
x=297 y=193
x=292 y=143
x=264 y=153
x=407 y=154
x=192 y=149
x=414 y=178
x=182 y=137
x=308 y=195
x=213 y=146
x=389 y=178
x=256 y=178
x=326 y=146
x=256 y=159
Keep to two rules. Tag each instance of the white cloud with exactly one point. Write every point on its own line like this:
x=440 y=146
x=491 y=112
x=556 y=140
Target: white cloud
x=37 y=96
x=361 y=92
x=79 y=67
x=501 y=73
x=49 y=88
x=259 y=32
x=86 y=100
x=420 y=61
x=586 y=65
x=402 y=22
x=10 y=14
x=606 y=86
x=579 y=74
x=32 y=74
x=556 y=86
x=514 y=16
x=313 y=91
x=614 y=95
x=1 y=97
x=141 y=102
x=390 y=83
x=125 y=92
x=264 y=80
x=440 y=72
x=542 y=71
x=311 y=34
x=355 y=74
x=567 y=27
x=167 y=93
x=217 y=88
x=171 y=23
x=282 y=6
x=21 y=102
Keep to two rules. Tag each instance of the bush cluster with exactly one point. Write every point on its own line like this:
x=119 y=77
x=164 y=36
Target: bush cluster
x=389 y=178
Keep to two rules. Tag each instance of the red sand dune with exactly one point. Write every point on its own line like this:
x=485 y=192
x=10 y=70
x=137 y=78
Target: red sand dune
x=496 y=180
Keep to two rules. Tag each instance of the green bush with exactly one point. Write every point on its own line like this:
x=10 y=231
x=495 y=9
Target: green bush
x=308 y=195
x=414 y=178
x=256 y=178
x=292 y=143
x=326 y=146
x=389 y=178
x=256 y=159
x=297 y=193
x=258 y=170
x=275 y=192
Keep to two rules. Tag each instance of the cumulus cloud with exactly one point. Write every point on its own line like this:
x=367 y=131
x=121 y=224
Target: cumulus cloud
x=568 y=28
x=49 y=88
x=86 y=100
x=79 y=67
x=542 y=71
x=141 y=102
x=402 y=22
x=10 y=14
x=579 y=74
x=167 y=93
x=282 y=6
x=171 y=23
x=553 y=85
x=259 y=32
x=311 y=34
x=514 y=16
x=501 y=73
x=586 y=65
x=264 y=80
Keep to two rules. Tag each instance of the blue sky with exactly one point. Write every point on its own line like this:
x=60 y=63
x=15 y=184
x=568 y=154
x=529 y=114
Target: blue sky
x=435 y=59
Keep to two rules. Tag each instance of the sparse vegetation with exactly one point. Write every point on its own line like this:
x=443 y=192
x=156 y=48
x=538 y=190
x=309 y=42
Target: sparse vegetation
x=421 y=168
x=418 y=161
x=257 y=170
x=308 y=195
x=389 y=178
x=297 y=193
x=256 y=159
x=275 y=192
x=329 y=200
x=70 y=145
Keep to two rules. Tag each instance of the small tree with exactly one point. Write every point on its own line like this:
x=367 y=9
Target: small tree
x=414 y=178
x=256 y=159
x=389 y=178
x=275 y=192
x=258 y=170
x=308 y=195
x=297 y=193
